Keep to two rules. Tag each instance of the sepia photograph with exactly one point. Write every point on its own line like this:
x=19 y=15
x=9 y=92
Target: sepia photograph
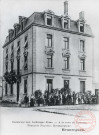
x=49 y=67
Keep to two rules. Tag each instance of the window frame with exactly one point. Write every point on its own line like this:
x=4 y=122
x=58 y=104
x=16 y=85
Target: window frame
x=49 y=17
x=68 y=83
x=82 y=64
x=49 y=61
x=49 y=40
x=82 y=45
x=66 y=43
x=25 y=86
x=81 y=27
x=66 y=63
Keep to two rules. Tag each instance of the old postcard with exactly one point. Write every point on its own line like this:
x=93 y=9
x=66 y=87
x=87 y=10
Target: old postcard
x=49 y=67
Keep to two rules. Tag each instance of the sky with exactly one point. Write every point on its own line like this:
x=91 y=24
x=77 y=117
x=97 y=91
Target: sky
x=11 y=9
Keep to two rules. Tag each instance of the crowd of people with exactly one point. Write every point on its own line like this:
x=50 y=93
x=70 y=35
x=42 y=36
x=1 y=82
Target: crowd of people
x=58 y=97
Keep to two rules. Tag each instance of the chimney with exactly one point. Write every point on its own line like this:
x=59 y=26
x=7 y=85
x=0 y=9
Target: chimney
x=66 y=8
x=81 y=16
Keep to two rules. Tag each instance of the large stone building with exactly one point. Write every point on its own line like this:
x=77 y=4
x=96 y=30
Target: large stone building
x=48 y=51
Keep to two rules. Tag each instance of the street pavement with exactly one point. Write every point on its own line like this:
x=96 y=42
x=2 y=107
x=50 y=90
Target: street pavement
x=55 y=120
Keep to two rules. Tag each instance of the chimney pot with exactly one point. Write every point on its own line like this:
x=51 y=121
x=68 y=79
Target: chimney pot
x=66 y=8
x=81 y=16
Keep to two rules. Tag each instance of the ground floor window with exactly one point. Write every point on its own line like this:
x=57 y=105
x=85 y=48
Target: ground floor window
x=82 y=86
x=66 y=84
x=11 y=89
x=25 y=86
x=49 y=85
x=6 y=89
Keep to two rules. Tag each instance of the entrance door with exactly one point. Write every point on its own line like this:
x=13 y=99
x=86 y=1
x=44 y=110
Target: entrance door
x=82 y=86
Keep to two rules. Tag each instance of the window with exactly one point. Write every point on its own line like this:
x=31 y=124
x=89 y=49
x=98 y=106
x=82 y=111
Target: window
x=66 y=84
x=82 y=86
x=11 y=89
x=49 y=40
x=81 y=27
x=82 y=62
x=6 y=60
x=22 y=26
x=66 y=63
x=12 y=51
x=11 y=65
x=49 y=61
x=26 y=43
x=66 y=43
x=6 y=89
x=82 y=46
x=25 y=86
x=25 y=62
x=49 y=20
x=49 y=85
x=18 y=47
x=65 y=25
x=6 y=66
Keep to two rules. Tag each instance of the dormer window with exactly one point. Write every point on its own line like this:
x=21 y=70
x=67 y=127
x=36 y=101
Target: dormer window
x=65 y=22
x=49 y=20
x=81 y=22
x=66 y=25
x=81 y=27
x=49 y=17
x=22 y=22
x=11 y=32
x=16 y=28
x=22 y=26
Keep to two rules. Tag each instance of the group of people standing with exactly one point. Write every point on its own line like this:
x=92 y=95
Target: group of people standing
x=58 y=98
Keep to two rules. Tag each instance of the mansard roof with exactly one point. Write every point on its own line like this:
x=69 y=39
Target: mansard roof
x=37 y=18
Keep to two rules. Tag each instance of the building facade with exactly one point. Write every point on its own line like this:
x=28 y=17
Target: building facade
x=0 y=87
x=48 y=52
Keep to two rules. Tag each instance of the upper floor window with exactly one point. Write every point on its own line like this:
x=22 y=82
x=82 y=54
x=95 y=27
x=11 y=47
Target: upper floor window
x=66 y=43
x=49 y=40
x=25 y=62
x=82 y=64
x=6 y=54
x=49 y=20
x=26 y=42
x=18 y=47
x=82 y=45
x=81 y=27
x=66 y=63
x=49 y=61
x=12 y=51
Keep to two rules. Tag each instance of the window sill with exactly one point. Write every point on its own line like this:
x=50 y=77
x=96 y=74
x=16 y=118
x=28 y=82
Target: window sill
x=67 y=70
x=11 y=95
x=82 y=52
x=82 y=70
x=49 y=68
x=65 y=49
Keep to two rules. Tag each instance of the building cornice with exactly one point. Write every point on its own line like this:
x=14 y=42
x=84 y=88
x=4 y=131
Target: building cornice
x=48 y=27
